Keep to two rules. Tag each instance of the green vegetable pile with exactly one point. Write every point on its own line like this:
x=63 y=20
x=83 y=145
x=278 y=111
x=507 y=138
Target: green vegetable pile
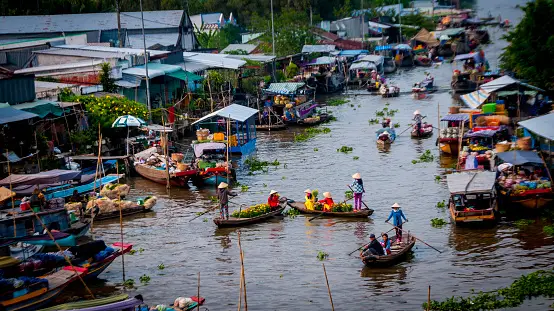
x=438 y=222
x=536 y=284
x=291 y=212
x=252 y=211
x=341 y=207
x=523 y=223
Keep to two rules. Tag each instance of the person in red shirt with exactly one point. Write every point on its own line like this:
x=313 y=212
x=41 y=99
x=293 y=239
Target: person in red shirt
x=327 y=202
x=273 y=199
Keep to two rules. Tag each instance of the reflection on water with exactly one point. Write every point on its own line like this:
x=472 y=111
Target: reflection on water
x=281 y=265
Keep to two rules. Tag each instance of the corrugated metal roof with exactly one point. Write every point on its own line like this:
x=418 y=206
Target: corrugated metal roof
x=324 y=60
x=541 y=126
x=248 y=48
x=82 y=53
x=363 y=65
x=471 y=182
x=193 y=66
x=154 y=70
x=234 y=112
x=213 y=60
x=9 y=114
x=318 y=48
x=504 y=81
x=284 y=88
x=377 y=59
x=89 y=63
x=130 y=51
x=165 y=39
x=456 y=117
x=88 y=22
x=254 y=57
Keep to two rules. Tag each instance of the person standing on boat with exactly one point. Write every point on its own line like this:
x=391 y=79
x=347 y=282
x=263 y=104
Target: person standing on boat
x=396 y=214
x=327 y=201
x=358 y=189
x=418 y=118
x=273 y=199
x=374 y=248
x=223 y=196
x=310 y=200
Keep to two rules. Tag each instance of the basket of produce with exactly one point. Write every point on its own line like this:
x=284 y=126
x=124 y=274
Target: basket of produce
x=202 y=134
x=114 y=191
x=503 y=147
x=183 y=166
x=524 y=143
x=177 y=157
x=252 y=211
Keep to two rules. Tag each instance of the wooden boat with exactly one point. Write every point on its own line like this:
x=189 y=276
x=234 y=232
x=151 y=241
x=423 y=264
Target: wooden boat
x=388 y=142
x=179 y=179
x=312 y=121
x=395 y=93
x=399 y=251
x=96 y=268
x=427 y=131
x=272 y=127
x=120 y=302
x=449 y=146
x=472 y=197
x=389 y=65
x=39 y=296
x=237 y=222
x=299 y=206
x=135 y=209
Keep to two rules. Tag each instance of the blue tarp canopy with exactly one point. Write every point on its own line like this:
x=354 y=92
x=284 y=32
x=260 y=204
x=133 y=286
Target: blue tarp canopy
x=484 y=133
x=465 y=56
x=542 y=126
x=324 y=60
x=9 y=114
x=383 y=47
x=520 y=157
x=353 y=52
x=456 y=117
x=402 y=47
x=285 y=88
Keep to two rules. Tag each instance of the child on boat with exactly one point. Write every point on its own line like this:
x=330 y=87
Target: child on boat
x=396 y=214
x=309 y=200
x=386 y=243
x=327 y=202
x=357 y=187
x=223 y=196
x=273 y=199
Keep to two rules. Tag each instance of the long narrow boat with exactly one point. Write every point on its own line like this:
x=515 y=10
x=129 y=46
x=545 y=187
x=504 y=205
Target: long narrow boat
x=399 y=251
x=37 y=297
x=237 y=222
x=364 y=213
x=472 y=197
x=179 y=179
x=120 y=302
x=427 y=131
x=136 y=209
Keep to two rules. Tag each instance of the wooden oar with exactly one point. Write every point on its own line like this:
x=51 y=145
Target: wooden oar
x=359 y=248
x=324 y=212
x=395 y=227
x=209 y=210
x=362 y=201
x=409 y=127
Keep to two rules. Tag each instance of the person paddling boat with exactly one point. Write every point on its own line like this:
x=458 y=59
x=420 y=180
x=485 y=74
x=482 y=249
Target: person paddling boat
x=223 y=194
x=396 y=214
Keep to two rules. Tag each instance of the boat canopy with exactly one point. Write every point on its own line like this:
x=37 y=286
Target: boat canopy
x=363 y=65
x=9 y=114
x=324 y=60
x=541 y=126
x=353 y=52
x=383 y=47
x=403 y=47
x=475 y=99
x=484 y=133
x=426 y=37
x=322 y=48
x=47 y=177
x=200 y=148
x=159 y=128
x=285 y=88
x=505 y=81
x=471 y=182
x=456 y=117
x=377 y=59
x=234 y=112
x=465 y=56
x=520 y=157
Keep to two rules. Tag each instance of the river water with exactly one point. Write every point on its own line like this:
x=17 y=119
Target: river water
x=281 y=267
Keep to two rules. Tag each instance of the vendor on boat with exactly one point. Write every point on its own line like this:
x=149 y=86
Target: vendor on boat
x=386 y=123
x=37 y=199
x=76 y=198
x=357 y=187
x=223 y=194
x=418 y=118
x=273 y=199
x=374 y=248
x=290 y=114
x=327 y=201
x=310 y=200
x=386 y=243
x=396 y=214
x=384 y=136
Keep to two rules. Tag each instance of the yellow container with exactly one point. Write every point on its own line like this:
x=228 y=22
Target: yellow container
x=219 y=136
x=234 y=141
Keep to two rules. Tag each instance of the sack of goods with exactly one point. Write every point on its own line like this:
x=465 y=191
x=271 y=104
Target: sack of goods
x=114 y=191
x=149 y=202
x=105 y=205
x=73 y=206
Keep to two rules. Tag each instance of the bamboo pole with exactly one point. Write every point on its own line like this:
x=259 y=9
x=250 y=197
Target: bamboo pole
x=227 y=150
x=13 y=201
x=328 y=288
x=429 y=298
x=439 y=127
x=198 y=293
x=240 y=291
x=98 y=163
x=165 y=150
x=38 y=158
x=461 y=138
x=120 y=221
x=242 y=273
x=211 y=98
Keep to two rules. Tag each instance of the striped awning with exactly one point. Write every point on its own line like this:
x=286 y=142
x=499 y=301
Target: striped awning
x=383 y=47
x=284 y=88
x=475 y=99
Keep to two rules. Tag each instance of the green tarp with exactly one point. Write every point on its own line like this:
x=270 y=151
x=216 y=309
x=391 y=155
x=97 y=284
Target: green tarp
x=184 y=75
x=42 y=108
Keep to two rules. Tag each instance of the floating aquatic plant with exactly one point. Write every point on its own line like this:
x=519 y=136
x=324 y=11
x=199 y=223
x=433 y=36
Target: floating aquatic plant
x=355 y=158
x=161 y=266
x=441 y=204
x=438 y=222
x=345 y=149
x=425 y=157
x=322 y=255
x=523 y=223
x=129 y=283
x=244 y=188
x=144 y=279
x=337 y=102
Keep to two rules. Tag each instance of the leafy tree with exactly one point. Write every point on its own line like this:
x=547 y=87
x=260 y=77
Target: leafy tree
x=108 y=83
x=291 y=70
x=418 y=20
x=531 y=48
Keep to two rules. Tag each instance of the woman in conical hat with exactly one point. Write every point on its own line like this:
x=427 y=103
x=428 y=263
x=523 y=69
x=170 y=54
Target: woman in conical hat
x=327 y=201
x=396 y=214
x=273 y=199
x=309 y=200
x=223 y=196
x=357 y=187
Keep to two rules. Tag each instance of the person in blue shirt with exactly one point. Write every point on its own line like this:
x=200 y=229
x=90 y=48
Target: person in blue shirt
x=386 y=243
x=396 y=214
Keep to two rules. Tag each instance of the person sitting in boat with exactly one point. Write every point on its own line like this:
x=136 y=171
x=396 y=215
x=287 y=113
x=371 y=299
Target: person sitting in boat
x=223 y=194
x=327 y=201
x=357 y=187
x=374 y=248
x=290 y=114
x=309 y=200
x=384 y=89
x=396 y=214
x=386 y=123
x=273 y=199
x=386 y=243
x=385 y=136
x=418 y=118
x=373 y=76
x=265 y=116
x=25 y=204
x=428 y=81
x=36 y=200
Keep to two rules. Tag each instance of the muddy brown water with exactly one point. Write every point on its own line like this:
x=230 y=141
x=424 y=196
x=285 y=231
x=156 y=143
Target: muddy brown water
x=282 y=270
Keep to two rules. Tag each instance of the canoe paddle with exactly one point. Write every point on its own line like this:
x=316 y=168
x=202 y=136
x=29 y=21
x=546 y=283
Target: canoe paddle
x=395 y=227
x=324 y=212
x=209 y=210
x=359 y=248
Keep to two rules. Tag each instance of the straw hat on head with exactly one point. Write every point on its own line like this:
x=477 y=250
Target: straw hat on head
x=357 y=176
x=308 y=191
x=385 y=132
x=223 y=185
x=395 y=205
x=327 y=195
x=272 y=192
x=417 y=112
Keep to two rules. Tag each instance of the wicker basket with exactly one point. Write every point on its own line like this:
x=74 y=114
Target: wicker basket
x=454 y=110
x=502 y=147
x=524 y=143
x=177 y=157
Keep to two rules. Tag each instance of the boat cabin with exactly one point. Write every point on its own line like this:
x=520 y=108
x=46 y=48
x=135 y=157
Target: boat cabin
x=289 y=101
x=233 y=125
x=472 y=196
x=27 y=224
x=326 y=74
x=450 y=129
x=360 y=70
x=478 y=145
